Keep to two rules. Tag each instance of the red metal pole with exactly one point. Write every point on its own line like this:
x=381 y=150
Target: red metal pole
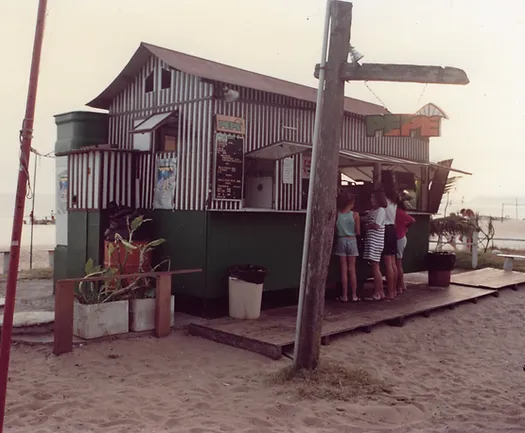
x=18 y=219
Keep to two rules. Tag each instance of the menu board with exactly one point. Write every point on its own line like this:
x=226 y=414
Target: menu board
x=229 y=167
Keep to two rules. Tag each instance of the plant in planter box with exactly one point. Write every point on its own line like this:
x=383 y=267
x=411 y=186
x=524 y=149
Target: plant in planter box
x=102 y=308
x=441 y=263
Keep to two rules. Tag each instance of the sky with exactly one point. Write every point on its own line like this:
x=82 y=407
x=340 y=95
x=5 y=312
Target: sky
x=88 y=42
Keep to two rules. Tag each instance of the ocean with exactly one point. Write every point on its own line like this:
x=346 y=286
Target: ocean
x=43 y=236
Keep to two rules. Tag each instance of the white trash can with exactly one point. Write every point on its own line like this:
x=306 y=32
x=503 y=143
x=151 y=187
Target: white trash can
x=245 y=287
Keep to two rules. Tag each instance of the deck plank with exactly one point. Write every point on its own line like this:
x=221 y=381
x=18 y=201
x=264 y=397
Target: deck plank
x=490 y=278
x=276 y=327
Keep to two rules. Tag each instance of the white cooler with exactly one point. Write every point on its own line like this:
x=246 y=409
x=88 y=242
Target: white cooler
x=245 y=299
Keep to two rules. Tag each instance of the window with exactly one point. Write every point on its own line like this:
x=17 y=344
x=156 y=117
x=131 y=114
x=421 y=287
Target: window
x=165 y=79
x=149 y=83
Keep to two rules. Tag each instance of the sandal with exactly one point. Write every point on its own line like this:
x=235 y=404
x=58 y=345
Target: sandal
x=340 y=299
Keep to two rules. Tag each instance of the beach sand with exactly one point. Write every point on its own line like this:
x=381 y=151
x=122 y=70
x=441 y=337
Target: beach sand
x=457 y=371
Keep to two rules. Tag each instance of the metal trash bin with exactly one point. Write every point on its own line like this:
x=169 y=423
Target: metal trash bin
x=245 y=287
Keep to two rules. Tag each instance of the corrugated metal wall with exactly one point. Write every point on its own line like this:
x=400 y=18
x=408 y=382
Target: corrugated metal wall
x=99 y=177
x=269 y=119
x=192 y=98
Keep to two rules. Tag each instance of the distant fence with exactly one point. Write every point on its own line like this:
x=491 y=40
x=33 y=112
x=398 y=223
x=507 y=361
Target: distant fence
x=473 y=246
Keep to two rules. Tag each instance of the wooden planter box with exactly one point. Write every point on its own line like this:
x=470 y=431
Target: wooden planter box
x=142 y=314
x=99 y=320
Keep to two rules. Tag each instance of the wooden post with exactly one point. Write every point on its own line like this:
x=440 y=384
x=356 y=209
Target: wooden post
x=423 y=191
x=163 y=306
x=377 y=175
x=63 y=325
x=324 y=190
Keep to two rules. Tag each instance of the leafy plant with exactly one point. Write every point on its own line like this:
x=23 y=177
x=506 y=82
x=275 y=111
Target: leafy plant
x=96 y=292
x=447 y=228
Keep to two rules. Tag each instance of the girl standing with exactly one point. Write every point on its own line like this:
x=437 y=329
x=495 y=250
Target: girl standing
x=347 y=228
x=390 y=249
x=403 y=222
x=375 y=240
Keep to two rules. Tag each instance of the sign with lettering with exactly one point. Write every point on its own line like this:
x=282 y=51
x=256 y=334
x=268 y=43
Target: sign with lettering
x=288 y=171
x=230 y=125
x=229 y=167
x=403 y=125
x=307 y=162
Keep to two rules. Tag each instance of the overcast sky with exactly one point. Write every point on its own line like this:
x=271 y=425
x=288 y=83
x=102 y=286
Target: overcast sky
x=88 y=42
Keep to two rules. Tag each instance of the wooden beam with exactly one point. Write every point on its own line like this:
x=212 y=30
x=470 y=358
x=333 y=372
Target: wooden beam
x=324 y=191
x=163 y=306
x=402 y=73
x=63 y=324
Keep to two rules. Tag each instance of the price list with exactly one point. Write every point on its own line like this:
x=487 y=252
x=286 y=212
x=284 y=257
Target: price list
x=229 y=167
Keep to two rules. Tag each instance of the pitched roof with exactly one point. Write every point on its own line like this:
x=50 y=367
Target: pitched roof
x=210 y=70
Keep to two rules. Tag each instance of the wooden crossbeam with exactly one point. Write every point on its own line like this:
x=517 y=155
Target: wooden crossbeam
x=401 y=73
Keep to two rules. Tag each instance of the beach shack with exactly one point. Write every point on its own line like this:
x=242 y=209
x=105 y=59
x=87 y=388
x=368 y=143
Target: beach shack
x=219 y=158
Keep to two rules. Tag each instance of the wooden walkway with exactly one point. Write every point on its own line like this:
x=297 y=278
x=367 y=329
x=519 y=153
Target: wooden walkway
x=490 y=278
x=273 y=333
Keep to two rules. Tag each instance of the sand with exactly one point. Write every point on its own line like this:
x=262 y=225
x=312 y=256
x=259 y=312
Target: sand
x=457 y=371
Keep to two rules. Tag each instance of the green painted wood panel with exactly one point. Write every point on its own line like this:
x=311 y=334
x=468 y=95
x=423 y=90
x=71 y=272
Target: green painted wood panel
x=185 y=234
x=80 y=128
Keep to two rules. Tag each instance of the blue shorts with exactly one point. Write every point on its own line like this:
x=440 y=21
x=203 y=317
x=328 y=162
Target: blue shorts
x=346 y=247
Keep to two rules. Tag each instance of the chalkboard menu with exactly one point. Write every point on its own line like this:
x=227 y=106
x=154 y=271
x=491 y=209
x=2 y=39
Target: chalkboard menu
x=229 y=167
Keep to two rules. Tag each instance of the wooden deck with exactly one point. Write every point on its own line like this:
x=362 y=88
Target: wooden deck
x=273 y=333
x=490 y=278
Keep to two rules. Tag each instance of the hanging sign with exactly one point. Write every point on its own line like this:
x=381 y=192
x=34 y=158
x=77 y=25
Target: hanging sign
x=288 y=169
x=403 y=125
x=62 y=193
x=229 y=124
x=307 y=162
x=166 y=178
x=229 y=167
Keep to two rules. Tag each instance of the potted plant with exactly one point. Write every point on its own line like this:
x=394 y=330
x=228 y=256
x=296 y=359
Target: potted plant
x=109 y=307
x=440 y=263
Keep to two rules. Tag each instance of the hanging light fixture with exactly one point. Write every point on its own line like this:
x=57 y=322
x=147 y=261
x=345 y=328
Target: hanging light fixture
x=355 y=55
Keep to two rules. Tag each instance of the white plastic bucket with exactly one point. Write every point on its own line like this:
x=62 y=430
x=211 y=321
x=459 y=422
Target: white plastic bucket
x=245 y=299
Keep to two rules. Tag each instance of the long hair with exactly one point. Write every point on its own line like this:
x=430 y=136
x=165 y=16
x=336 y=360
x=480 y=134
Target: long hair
x=344 y=200
x=380 y=197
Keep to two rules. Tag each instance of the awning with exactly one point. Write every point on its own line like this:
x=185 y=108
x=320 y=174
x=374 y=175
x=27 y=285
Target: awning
x=350 y=161
x=151 y=123
x=280 y=150
x=350 y=158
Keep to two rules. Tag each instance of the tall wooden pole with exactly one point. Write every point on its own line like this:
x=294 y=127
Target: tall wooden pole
x=18 y=219
x=323 y=182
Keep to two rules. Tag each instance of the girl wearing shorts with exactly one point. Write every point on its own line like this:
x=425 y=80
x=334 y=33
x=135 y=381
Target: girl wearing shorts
x=390 y=248
x=375 y=240
x=347 y=228
x=403 y=222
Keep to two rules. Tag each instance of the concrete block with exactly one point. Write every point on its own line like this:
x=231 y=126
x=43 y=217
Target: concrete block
x=99 y=320
x=142 y=314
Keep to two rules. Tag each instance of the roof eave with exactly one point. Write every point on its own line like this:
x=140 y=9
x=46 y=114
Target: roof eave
x=128 y=74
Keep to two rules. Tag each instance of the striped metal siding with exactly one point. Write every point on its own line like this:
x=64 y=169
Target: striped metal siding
x=97 y=178
x=193 y=159
x=191 y=97
x=134 y=103
x=266 y=115
x=354 y=137
x=270 y=119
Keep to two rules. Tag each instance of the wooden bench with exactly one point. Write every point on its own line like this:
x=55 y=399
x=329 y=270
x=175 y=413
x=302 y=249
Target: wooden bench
x=65 y=298
x=509 y=258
